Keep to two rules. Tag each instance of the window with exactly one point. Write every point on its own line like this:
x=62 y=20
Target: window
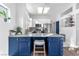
x=4 y=12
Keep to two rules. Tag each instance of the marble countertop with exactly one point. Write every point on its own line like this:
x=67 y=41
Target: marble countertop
x=37 y=35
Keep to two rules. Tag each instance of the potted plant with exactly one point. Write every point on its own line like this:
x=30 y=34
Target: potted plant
x=18 y=30
x=6 y=17
x=4 y=14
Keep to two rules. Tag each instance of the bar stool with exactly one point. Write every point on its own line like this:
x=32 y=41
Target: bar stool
x=39 y=48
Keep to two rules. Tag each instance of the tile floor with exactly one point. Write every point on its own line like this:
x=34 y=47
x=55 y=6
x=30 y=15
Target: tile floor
x=71 y=52
x=68 y=52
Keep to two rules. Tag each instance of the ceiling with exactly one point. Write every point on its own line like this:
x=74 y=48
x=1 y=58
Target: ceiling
x=55 y=9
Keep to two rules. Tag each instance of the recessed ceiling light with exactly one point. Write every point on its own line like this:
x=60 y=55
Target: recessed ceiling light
x=40 y=9
x=46 y=9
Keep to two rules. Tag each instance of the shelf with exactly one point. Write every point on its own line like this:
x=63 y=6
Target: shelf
x=66 y=16
x=69 y=10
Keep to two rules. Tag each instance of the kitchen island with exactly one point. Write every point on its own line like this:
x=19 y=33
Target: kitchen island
x=22 y=45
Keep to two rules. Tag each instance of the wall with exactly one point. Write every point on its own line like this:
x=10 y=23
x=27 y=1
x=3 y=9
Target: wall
x=40 y=21
x=12 y=7
x=77 y=29
x=5 y=27
x=22 y=16
x=4 y=32
x=70 y=36
x=19 y=15
x=70 y=32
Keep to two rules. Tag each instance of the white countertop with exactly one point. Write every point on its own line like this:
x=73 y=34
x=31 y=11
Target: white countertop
x=37 y=35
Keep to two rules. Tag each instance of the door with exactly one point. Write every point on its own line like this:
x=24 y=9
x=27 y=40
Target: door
x=24 y=46
x=13 y=46
x=57 y=27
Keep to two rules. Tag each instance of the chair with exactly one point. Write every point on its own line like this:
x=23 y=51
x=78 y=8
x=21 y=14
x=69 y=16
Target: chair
x=39 y=48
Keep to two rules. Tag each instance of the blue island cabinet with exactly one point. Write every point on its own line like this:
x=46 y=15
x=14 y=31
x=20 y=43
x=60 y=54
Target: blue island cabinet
x=19 y=46
x=13 y=46
x=24 y=46
x=55 y=46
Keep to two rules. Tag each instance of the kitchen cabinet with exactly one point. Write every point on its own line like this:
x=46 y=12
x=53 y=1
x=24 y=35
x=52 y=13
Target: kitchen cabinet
x=24 y=46
x=13 y=46
x=55 y=46
x=19 y=46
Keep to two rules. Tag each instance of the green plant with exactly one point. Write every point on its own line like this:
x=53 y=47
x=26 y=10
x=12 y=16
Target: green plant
x=6 y=17
x=3 y=13
x=18 y=30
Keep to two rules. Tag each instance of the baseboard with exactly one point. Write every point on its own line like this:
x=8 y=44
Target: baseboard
x=65 y=45
x=77 y=46
x=3 y=54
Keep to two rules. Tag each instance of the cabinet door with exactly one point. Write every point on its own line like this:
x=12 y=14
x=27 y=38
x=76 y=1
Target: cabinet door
x=53 y=46
x=24 y=46
x=13 y=46
x=61 y=40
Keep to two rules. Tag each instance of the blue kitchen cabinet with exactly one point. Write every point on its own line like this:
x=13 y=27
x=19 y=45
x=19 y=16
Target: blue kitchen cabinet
x=55 y=46
x=24 y=46
x=19 y=46
x=61 y=45
x=13 y=46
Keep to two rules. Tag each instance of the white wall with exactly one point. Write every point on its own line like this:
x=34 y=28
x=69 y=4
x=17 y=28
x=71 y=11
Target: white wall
x=70 y=32
x=70 y=36
x=19 y=15
x=5 y=27
x=12 y=7
x=22 y=16
x=40 y=21
x=4 y=32
x=77 y=29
